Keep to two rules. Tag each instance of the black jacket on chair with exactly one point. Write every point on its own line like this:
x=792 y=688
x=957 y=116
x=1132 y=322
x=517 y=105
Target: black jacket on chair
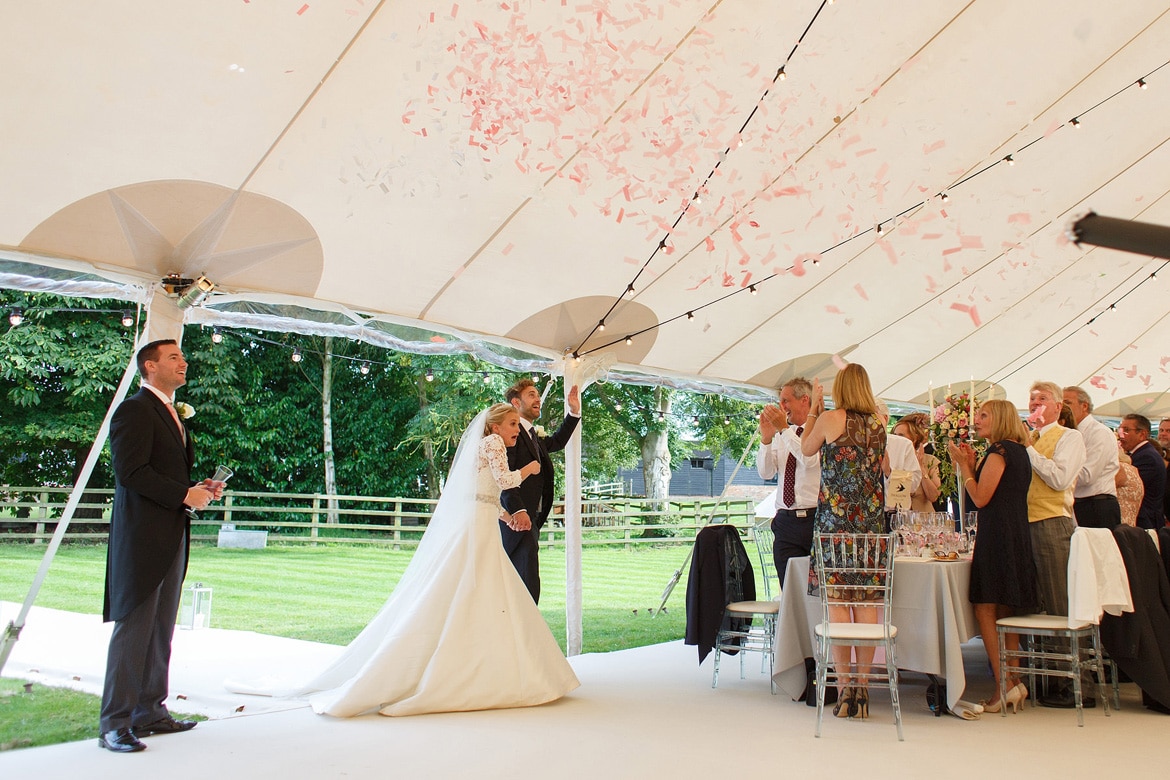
x=1139 y=641
x=721 y=573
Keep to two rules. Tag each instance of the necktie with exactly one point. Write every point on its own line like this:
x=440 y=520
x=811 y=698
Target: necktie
x=790 y=476
x=1035 y=436
x=535 y=438
x=178 y=422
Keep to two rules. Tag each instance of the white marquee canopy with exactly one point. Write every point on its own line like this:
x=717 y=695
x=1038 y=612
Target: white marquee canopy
x=492 y=176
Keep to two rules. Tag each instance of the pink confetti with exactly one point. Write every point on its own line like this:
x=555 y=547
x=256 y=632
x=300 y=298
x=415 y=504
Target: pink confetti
x=303 y=8
x=508 y=249
x=1099 y=382
x=861 y=291
x=888 y=248
x=710 y=242
x=839 y=362
x=831 y=309
x=1020 y=218
x=438 y=340
x=934 y=147
x=971 y=312
x=454 y=10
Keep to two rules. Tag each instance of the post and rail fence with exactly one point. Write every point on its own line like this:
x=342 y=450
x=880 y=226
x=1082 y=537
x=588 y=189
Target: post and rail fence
x=30 y=514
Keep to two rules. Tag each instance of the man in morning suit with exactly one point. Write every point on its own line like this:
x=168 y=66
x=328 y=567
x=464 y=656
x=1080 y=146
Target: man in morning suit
x=147 y=555
x=531 y=503
x=1134 y=435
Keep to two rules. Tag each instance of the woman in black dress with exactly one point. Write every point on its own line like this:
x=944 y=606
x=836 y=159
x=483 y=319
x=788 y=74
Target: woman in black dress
x=1003 y=575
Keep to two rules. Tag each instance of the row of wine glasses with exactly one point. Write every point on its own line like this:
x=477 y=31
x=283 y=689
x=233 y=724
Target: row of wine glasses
x=926 y=533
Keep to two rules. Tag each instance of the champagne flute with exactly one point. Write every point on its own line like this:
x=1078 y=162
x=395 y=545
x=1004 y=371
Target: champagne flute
x=222 y=475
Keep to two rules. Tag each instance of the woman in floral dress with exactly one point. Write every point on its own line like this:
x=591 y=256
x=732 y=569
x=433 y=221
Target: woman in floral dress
x=852 y=443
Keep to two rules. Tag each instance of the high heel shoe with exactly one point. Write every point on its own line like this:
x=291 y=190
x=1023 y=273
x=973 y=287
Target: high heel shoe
x=1016 y=697
x=846 y=706
x=862 y=699
x=992 y=708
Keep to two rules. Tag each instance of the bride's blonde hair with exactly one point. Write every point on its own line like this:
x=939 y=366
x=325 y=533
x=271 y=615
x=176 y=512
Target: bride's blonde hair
x=496 y=414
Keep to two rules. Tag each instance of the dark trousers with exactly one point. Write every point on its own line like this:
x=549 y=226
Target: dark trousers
x=523 y=549
x=1101 y=511
x=793 y=537
x=138 y=664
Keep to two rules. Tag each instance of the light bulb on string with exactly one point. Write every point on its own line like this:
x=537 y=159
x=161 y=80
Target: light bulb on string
x=536 y=379
x=629 y=340
x=752 y=289
x=695 y=419
x=486 y=377
x=1010 y=160
x=880 y=230
x=1075 y=122
x=364 y=368
x=781 y=75
x=297 y=357
x=600 y=329
x=216 y=336
x=127 y=318
x=630 y=290
x=430 y=375
x=726 y=420
x=15 y=317
x=617 y=406
x=661 y=416
x=690 y=315
x=944 y=197
x=1141 y=84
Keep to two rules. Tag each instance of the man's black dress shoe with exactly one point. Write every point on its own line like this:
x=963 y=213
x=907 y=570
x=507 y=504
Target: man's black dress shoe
x=1065 y=701
x=167 y=725
x=121 y=741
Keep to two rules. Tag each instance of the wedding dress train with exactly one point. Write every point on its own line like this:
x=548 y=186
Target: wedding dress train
x=460 y=631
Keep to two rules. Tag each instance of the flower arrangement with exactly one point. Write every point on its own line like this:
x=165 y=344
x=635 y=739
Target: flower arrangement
x=185 y=410
x=539 y=430
x=953 y=419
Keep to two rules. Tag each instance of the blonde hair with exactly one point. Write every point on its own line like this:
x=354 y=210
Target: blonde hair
x=1006 y=424
x=496 y=414
x=852 y=390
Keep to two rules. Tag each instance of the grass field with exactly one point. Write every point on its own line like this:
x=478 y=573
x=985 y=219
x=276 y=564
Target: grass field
x=329 y=592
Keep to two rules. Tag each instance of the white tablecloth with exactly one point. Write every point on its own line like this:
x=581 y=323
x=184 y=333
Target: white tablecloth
x=931 y=610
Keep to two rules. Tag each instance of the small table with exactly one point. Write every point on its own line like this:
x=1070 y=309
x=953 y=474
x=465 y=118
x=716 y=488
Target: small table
x=931 y=610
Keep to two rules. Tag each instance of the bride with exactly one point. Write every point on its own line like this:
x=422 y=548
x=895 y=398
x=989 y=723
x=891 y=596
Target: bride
x=460 y=631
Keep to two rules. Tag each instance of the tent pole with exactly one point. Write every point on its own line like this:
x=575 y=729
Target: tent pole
x=12 y=631
x=678 y=572
x=573 y=591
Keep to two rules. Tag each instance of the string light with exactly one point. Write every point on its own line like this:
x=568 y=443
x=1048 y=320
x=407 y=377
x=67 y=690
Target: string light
x=127 y=318
x=726 y=420
x=690 y=315
x=600 y=329
x=661 y=416
x=297 y=357
x=1010 y=160
x=752 y=289
x=486 y=377
x=1076 y=123
x=364 y=368
x=944 y=197
x=216 y=336
x=1141 y=83
x=879 y=229
x=781 y=75
x=630 y=290
x=15 y=317
x=430 y=375
x=617 y=406
x=629 y=340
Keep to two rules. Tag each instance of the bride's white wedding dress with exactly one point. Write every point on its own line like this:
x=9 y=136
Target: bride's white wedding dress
x=460 y=631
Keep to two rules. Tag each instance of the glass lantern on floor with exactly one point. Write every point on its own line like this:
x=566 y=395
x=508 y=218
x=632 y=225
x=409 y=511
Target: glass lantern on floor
x=195 y=611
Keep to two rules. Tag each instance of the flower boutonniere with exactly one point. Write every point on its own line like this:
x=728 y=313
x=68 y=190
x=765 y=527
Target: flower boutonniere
x=539 y=431
x=185 y=410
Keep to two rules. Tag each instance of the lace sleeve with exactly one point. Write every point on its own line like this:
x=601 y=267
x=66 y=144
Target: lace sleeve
x=497 y=459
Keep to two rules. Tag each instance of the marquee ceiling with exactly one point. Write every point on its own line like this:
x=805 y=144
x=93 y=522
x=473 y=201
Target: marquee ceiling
x=497 y=174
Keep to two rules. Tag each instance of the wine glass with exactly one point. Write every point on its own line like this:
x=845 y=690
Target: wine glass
x=222 y=475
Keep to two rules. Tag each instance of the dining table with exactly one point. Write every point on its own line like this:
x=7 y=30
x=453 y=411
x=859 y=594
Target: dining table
x=930 y=609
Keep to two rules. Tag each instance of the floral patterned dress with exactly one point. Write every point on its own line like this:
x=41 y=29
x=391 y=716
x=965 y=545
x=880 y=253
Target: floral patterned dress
x=852 y=498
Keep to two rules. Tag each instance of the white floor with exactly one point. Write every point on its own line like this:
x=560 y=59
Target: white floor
x=647 y=712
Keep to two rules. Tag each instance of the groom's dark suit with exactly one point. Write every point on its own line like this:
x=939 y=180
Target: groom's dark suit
x=535 y=495
x=146 y=559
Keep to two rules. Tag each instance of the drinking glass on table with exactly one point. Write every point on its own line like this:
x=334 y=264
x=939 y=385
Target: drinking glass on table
x=219 y=478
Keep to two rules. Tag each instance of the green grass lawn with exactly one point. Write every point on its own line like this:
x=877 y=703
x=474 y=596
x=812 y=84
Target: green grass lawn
x=329 y=592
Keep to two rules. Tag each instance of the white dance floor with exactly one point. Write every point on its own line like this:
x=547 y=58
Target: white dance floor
x=643 y=713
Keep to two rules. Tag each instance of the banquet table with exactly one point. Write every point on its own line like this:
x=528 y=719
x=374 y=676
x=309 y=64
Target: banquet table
x=931 y=610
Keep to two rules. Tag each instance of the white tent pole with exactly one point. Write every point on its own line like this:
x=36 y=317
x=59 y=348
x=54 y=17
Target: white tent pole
x=573 y=594
x=12 y=631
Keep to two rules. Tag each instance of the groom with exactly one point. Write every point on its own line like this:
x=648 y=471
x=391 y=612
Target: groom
x=531 y=503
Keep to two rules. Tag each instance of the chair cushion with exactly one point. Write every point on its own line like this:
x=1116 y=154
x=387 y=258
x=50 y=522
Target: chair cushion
x=754 y=607
x=863 y=631
x=1043 y=623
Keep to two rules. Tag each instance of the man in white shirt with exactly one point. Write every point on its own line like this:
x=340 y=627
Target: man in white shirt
x=799 y=476
x=1057 y=455
x=899 y=488
x=1095 y=492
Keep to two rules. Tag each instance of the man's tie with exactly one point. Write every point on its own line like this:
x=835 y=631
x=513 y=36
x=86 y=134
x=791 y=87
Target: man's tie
x=1035 y=435
x=178 y=422
x=790 y=476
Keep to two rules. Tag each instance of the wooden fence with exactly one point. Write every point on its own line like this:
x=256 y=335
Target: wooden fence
x=31 y=514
